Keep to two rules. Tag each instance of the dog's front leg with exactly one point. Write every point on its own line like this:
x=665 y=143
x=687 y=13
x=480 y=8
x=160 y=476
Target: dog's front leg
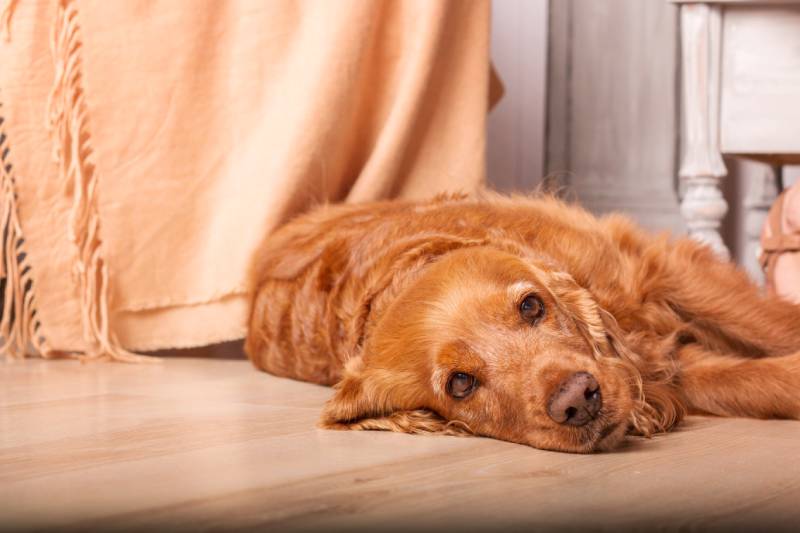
x=722 y=301
x=731 y=386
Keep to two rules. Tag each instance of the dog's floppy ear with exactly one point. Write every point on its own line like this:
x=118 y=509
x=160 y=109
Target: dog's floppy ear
x=579 y=304
x=595 y=324
x=659 y=404
x=375 y=399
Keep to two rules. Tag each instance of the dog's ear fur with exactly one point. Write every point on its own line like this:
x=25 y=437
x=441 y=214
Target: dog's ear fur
x=658 y=405
x=579 y=304
x=371 y=399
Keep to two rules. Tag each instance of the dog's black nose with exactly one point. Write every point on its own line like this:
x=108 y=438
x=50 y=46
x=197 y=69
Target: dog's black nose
x=576 y=401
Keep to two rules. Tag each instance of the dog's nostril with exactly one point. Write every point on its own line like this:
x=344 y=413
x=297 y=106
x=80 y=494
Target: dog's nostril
x=576 y=401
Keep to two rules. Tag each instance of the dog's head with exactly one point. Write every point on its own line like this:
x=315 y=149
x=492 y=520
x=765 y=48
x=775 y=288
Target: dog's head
x=488 y=342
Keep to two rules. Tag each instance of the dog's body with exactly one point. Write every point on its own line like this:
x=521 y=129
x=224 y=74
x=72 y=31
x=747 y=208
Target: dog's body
x=523 y=319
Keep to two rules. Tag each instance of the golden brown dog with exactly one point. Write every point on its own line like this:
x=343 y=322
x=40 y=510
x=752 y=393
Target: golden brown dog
x=522 y=319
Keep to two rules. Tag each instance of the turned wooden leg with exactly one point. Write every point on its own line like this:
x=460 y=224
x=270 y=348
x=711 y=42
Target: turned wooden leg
x=762 y=189
x=703 y=209
x=702 y=168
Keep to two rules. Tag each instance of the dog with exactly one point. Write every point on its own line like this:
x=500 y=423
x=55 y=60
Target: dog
x=525 y=319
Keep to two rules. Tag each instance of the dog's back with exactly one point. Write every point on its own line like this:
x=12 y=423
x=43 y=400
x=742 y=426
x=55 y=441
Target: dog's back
x=319 y=279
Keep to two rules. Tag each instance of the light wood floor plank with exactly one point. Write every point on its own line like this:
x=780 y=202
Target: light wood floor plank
x=194 y=444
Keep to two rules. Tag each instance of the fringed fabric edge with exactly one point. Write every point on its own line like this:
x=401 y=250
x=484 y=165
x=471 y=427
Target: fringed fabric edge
x=67 y=121
x=20 y=328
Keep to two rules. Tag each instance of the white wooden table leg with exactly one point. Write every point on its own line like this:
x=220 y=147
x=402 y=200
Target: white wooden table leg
x=762 y=189
x=702 y=168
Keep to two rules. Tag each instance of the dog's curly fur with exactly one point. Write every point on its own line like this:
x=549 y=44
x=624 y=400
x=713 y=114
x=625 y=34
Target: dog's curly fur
x=388 y=300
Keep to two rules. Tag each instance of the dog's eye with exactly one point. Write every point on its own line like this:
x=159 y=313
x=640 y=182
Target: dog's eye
x=461 y=385
x=531 y=308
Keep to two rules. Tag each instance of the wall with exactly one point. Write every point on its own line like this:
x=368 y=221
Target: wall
x=590 y=102
x=612 y=120
x=515 y=151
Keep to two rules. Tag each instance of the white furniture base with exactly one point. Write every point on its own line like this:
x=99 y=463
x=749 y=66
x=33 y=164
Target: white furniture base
x=741 y=96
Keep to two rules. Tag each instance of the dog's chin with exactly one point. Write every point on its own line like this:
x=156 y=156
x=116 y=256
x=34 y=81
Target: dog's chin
x=605 y=433
x=611 y=436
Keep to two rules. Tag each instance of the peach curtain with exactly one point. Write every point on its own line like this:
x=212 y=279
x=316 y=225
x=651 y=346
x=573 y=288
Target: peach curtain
x=148 y=145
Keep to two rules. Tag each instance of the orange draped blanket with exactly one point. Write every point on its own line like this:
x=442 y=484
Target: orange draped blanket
x=148 y=145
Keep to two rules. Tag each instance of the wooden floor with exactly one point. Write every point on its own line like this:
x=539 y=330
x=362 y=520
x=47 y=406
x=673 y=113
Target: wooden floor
x=198 y=445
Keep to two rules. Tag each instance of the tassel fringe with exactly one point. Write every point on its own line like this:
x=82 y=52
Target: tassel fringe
x=20 y=329
x=67 y=122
